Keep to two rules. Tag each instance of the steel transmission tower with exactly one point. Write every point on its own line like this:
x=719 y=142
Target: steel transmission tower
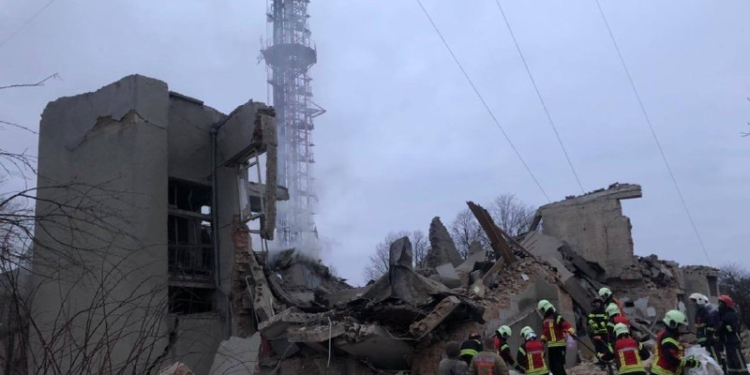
x=289 y=56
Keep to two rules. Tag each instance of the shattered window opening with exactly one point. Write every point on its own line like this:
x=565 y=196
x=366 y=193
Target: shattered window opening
x=190 y=248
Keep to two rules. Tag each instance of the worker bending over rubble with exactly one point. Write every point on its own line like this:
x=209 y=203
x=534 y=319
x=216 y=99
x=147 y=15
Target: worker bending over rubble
x=729 y=333
x=628 y=353
x=487 y=362
x=599 y=328
x=531 y=354
x=554 y=331
x=670 y=354
x=502 y=335
x=471 y=347
x=707 y=324
x=452 y=365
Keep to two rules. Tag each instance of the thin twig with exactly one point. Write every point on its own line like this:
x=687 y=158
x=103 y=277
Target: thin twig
x=18 y=126
x=40 y=83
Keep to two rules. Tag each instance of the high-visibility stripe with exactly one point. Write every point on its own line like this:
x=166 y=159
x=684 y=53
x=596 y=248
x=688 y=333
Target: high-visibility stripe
x=470 y=352
x=671 y=341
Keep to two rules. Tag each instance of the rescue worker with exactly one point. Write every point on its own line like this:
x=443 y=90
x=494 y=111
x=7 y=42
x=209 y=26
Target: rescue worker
x=599 y=328
x=729 y=334
x=629 y=353
x=707 y=324
x=554 y=330
x=452 y=365
x=615 y=317
x=670 y=354
x=530 y=355
x=606 y=295
x=502 y=335
x=488 y=362
x=471 y=347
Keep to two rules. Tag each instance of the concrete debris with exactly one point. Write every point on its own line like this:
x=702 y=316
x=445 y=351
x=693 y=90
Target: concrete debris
x=176 y=369
x=442 y=248
x=401 y=322
x=448 y=276
x=237 y=356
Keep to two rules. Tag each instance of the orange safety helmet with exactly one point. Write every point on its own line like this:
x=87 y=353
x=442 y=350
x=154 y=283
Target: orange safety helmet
x=727 y=300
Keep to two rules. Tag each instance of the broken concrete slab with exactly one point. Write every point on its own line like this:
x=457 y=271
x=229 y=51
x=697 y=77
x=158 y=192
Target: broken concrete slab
x=376 y=345
x=476 y=254
x=442 y=248
x=315 y=334
x=542 y=246
x=435 y=317
x=401 y=254
x=237 y=356
x=448 y=276
x=494 y=234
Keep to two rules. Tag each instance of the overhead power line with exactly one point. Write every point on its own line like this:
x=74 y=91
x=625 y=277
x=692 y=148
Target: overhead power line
x=539 y=95
x=481 y=98
x=653 y=131
x=23 y=26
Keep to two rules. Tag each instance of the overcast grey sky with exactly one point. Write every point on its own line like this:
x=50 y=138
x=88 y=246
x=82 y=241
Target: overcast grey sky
x=405 y=138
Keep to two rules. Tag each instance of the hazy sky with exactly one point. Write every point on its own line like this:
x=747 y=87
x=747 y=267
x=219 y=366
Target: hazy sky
x=405 y=138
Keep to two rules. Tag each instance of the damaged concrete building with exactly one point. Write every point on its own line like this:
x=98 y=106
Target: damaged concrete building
x=150 y=223
x=138 y=189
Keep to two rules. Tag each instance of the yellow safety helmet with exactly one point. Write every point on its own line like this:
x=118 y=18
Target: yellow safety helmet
x=621 y=329
x=674 y=319
x=504 y=332
x=525 y=331
x=543 y=306
x=612 y=309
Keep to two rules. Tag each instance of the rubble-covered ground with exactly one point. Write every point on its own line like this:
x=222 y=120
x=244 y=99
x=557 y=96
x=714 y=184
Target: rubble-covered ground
x=310 y=322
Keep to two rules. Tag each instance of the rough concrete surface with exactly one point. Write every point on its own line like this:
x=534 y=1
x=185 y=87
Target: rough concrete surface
x=442 y=248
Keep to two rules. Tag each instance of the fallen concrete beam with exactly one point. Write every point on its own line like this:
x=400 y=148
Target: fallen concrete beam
x=443 y=309
x=494 y=233
x=316 y=333
x=377 y=346
x=448 y=275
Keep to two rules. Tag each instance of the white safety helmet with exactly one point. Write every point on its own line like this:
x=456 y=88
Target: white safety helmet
x=699 y=299
x=605 y=293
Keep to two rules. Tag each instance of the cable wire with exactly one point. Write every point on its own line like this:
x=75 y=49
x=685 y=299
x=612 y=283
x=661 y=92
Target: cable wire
x=539 y=95
x=481 y=98
x=653 y=131
x=23 y=26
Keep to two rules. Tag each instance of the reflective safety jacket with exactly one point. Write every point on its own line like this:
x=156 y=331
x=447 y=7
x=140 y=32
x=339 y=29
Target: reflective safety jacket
x=554 y=328
x=615 y=320
x=503 y=349
x=707 y=323
x=469 y=349
x=630 y=355
x=531 y=358
x=669 y=354
x=598 y=321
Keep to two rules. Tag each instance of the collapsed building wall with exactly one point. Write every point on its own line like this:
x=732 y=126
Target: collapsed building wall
x=595 y=228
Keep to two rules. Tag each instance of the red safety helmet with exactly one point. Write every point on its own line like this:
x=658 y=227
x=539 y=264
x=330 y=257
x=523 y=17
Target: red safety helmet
x=474 y=336
x=727 y=300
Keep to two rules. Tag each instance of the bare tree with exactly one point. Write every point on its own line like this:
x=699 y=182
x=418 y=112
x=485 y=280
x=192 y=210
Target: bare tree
x=379 y=260
x=735 y=282
x=465 y=230
x=512 y=215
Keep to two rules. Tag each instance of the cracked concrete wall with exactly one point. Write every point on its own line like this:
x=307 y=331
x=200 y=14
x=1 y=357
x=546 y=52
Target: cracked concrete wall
x=595 y=228
x=106 y=150
x=190 y=142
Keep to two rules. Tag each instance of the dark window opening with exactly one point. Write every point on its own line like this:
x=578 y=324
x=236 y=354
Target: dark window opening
x=189 y=196
x=184 y=301
x=713 y=286
x=190 y=233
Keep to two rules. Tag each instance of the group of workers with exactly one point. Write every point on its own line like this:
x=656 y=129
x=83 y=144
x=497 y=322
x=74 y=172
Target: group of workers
x=718 y=331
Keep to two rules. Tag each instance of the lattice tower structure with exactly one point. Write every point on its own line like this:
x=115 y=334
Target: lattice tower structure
x=289 y=55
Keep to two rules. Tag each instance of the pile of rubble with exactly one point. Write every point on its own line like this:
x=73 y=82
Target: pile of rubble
x=306 y=320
